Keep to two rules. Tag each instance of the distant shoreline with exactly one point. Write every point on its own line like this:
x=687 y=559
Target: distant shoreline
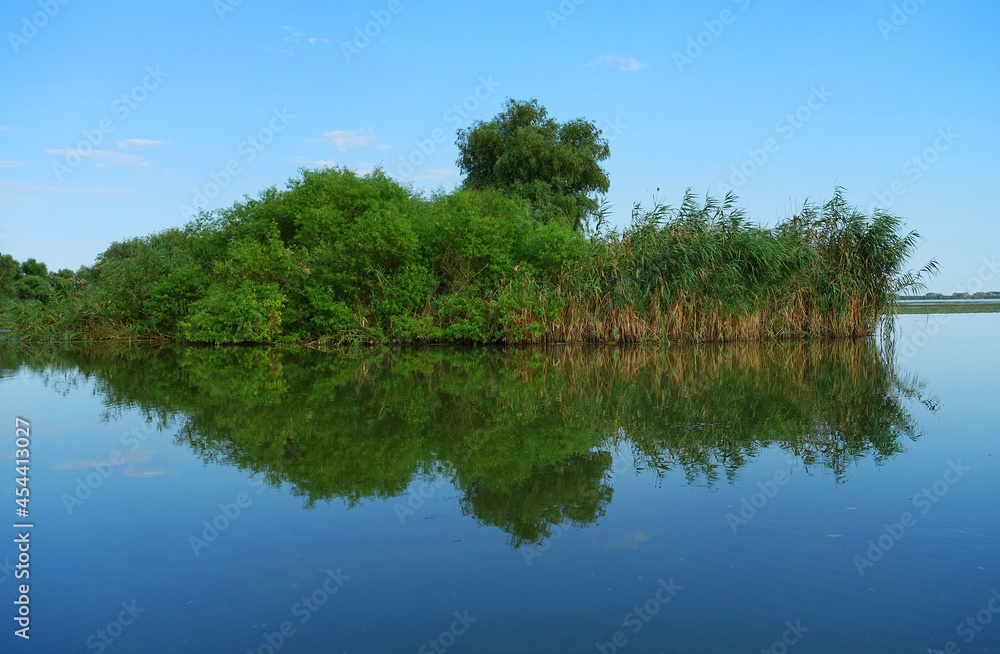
x=952 y=305
x=954 y=297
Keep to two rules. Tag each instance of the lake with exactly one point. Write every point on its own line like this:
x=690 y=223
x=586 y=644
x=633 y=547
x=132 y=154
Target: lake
x=812 y=497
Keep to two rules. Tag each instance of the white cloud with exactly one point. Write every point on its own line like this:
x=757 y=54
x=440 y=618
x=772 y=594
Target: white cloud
x=11 y=164
x=290 y=34
x=9 y=128
x=627 y=64
x=128 y=144
x=345 y=140
x=296 y=37
x=104 y=158
x=139 y=473
x=631 y=540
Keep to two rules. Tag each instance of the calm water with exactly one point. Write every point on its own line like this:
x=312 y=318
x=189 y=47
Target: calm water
x=714 y=499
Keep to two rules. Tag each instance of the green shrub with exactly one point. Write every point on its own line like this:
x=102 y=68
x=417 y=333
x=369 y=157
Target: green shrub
x=129 y=270
x=32 y=268
x=171 y=296
x=33 y=287
x=249 y=314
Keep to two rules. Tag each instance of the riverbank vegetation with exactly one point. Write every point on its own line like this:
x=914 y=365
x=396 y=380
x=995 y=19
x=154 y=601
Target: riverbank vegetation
x=521 y=253
x=926 y=307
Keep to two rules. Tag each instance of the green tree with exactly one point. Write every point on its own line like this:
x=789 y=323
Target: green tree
x=10 y=272
x=556 y=167
x=30 y=267
x=33 y=287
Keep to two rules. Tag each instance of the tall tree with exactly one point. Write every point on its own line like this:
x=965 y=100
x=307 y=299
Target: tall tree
x=556 y=167
x=32 y=268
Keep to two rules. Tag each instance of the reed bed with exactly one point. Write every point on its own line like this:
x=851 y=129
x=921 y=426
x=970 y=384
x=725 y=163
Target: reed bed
x=703 y=273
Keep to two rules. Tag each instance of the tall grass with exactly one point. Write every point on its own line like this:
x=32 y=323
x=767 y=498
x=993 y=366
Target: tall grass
x=703 y=272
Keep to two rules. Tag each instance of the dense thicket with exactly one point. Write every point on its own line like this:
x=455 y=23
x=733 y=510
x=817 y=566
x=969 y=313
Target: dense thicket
x=336 y=257
x=32 y=280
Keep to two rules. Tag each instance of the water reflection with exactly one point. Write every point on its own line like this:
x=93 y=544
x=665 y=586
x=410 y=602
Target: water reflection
x=528 y=436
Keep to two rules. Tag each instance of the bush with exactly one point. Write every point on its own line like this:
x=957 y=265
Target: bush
x=171 y=296
x=248 y=314
x=33 y=287
x=129 y=270
x=32 y=268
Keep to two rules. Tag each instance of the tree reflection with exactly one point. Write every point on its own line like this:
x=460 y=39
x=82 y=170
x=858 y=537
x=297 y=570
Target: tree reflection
x=527 y=435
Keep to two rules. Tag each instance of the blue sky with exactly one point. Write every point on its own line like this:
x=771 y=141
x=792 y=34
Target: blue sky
x=118 y=118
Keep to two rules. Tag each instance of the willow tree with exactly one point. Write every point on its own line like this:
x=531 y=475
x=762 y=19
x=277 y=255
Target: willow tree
x=554 y=166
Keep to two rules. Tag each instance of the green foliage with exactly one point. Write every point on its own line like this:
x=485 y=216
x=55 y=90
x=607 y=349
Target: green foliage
x=84 y=275
x=129 y=271
x=946 y=306
x=702 y=272
x=556 y=167
x=34 y=268
x=33 y=287
x=10 y=272
x=339 y=258
x=250 y=313
x=171 y=296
